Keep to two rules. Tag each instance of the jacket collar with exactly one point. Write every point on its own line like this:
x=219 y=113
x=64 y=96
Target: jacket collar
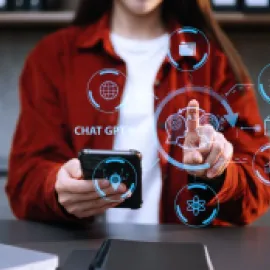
x=100 y=32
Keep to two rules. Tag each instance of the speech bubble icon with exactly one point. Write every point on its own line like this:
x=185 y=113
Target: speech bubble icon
x=175 y=126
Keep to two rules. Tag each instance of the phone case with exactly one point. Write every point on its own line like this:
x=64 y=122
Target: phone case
x=117 y=167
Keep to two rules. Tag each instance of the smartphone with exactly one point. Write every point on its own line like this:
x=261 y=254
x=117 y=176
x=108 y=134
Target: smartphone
x=117 y=167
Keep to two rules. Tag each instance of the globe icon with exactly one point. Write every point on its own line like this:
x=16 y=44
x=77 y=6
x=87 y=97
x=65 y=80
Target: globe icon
x=109 y=90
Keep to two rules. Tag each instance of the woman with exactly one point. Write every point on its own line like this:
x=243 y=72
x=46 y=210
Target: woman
x=133 y=37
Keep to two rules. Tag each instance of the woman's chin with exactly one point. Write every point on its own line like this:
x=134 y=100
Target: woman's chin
x=142 y=7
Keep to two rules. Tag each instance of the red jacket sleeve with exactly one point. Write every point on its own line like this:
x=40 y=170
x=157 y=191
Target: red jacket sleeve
x=243 y=197
x=40 y=144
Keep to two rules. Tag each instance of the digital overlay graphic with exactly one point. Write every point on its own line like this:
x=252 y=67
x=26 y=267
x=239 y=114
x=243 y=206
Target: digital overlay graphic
x=264 y=83
x=103 y=90
x=195 y=212
x=117 y=171
x=262 y=172
x=176 y=127
x=175 y=124
x=187 y=46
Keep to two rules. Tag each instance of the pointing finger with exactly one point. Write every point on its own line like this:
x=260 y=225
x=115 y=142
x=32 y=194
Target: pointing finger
x=207 y=137
x=192 y=115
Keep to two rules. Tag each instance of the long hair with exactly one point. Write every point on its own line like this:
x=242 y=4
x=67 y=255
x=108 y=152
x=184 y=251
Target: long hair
x=196 y=13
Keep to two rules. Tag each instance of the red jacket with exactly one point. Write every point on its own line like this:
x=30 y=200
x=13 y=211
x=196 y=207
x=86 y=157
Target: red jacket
x=54 y=102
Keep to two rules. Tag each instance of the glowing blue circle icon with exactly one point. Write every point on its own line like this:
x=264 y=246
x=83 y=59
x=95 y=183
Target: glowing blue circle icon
x=194 y=212
x=261 y=164
x=264 y=83
x=176 y=128
x=189 y=42
x=116 y=170
x=103 y=90
x=170 y=124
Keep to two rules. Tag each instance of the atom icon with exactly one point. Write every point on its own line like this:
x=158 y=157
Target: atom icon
x=196 y=205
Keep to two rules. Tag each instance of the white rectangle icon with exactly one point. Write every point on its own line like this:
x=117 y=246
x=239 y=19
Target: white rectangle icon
x=187 y=49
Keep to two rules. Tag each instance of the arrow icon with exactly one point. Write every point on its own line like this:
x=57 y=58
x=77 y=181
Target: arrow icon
x=232 y=118
x=115 y=180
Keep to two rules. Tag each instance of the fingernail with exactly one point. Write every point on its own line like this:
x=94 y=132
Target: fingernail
x=210 y=174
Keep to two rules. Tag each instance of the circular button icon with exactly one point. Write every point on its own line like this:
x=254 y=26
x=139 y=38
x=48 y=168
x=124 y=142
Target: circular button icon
x=109 y=90
x=261 y=164
x=117 y=171
x=264 y=83
x=192 y=44
x=176 y=127
x=195 y=212
x=103 y=90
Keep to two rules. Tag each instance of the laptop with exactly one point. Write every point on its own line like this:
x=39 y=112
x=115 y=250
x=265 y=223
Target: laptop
x=134 y=255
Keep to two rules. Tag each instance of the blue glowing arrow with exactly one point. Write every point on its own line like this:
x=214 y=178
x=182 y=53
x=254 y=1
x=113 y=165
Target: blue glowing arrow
x=231 y=117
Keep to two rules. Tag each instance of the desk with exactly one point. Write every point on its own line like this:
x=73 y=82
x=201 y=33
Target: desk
x=229 y=248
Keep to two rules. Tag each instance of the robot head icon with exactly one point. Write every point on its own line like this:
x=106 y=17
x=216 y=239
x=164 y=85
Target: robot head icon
x=176 y=126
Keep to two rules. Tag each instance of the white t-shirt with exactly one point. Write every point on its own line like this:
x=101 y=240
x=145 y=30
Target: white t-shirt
x=143 y=59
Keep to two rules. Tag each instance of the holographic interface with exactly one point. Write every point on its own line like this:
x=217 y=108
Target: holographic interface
x=176 y=127
x=261 y=164
x=117 y=171
x=103 y=90
x=264 y=83
x=196 y=205
x=189 y=38
x=195 y=212
x=176 y=123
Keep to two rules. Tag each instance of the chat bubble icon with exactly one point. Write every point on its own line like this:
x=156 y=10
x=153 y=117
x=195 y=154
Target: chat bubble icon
x=175 y=126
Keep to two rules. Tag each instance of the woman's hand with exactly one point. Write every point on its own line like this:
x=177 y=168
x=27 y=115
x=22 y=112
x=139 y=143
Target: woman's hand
x=79 y=197
x=204 y=145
